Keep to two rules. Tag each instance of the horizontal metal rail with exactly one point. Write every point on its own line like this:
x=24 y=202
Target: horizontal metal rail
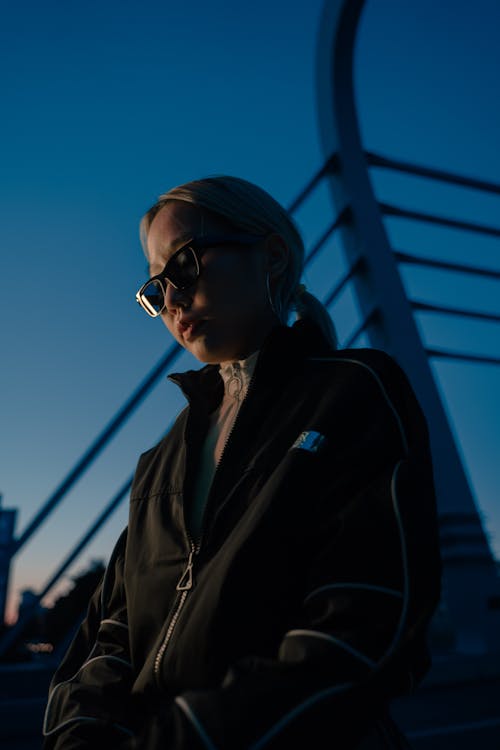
x=375 y=160
x=462 y=356
x=447 y=265
x=476 y=314
x=403 y=213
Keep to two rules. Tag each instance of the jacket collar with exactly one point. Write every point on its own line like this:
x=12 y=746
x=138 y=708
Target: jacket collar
x=285 y=347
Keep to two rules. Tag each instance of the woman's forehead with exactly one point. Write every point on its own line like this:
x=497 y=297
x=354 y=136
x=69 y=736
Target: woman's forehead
x=173 y=223
x=171 y=228
x=178 y=222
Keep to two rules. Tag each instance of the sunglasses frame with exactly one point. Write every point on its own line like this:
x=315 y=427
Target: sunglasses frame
x=198 y=246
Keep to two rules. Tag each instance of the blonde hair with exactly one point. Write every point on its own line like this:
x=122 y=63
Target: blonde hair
x=251 y=209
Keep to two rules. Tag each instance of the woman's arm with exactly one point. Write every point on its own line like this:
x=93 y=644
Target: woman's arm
x=89 y=694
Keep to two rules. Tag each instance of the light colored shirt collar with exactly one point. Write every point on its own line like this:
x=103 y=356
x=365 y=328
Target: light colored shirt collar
x=237 y=375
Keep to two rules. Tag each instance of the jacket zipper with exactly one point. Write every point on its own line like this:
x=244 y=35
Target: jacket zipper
x=185 y=582
x=184 y=585
x=217 y=468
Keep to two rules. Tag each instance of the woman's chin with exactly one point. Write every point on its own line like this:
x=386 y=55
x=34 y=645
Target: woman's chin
x=209 y=353
x=204 y=350
x=212 y=347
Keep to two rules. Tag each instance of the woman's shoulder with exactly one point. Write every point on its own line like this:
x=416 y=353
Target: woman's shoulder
x=367 y=362
x=365 y=375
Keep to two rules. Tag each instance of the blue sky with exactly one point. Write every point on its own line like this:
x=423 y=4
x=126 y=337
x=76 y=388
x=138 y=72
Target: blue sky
x=106 y=105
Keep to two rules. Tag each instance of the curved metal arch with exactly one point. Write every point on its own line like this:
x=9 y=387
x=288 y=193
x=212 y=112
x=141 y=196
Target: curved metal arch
x=391 y=325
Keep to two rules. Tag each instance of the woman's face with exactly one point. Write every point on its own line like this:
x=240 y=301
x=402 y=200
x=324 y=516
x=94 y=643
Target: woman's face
x=226 y=314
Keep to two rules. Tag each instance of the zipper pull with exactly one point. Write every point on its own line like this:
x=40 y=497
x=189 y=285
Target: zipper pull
x=235 y=383
x=186 y=580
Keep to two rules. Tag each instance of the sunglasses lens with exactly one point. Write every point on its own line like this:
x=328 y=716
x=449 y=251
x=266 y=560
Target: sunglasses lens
x=153 y=298
x=182 y=271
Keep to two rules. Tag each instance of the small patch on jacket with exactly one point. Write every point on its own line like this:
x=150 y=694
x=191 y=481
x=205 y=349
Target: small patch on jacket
x=309 y=441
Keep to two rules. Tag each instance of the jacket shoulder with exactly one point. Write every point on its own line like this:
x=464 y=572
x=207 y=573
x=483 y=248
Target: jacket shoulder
x=375 y=362
x=368 y=373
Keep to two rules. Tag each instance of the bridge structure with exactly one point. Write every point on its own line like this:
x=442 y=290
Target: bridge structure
x=458 y=704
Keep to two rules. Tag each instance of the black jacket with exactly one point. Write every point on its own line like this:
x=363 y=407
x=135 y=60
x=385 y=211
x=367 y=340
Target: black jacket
x=304 y=607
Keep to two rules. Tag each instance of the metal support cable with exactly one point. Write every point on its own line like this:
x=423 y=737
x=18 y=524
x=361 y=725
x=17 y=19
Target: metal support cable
x=359 y=329
x=375 y=160
x=341 y=218
x=427 y=307
x=329 y=166
x=330 y=298
x=130 y=405
x=446 y=265
x=462 y=356
x=390 y=210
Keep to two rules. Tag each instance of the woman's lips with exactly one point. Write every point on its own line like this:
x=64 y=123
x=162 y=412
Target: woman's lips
x=189 y=329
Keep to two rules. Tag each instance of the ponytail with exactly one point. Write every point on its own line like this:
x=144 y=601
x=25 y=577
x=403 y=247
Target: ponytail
x=306 y=305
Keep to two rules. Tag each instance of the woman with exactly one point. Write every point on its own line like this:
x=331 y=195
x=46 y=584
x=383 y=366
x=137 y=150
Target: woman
x=280 y=567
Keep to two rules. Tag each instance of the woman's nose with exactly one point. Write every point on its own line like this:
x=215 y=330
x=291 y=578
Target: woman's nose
x=176 y=298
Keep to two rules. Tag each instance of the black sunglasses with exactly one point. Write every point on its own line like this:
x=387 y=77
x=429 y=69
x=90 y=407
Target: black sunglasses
x=183 y=269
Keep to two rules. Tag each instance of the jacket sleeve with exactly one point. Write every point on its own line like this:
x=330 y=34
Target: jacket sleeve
x=89 y=693
x=370 y=590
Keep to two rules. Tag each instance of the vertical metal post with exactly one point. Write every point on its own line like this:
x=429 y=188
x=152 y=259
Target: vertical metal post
x=470 y=579
x=7 y=524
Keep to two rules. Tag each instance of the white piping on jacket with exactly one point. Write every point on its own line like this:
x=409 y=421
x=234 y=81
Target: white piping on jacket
x=188 y=711
x=404 y=558
x=381 y=386
x=335 y=642
x=90 y=658
x=105 y=656
x=118 y=624
x=368 y=586
x=327 y=693
x=86 y=719
x=65 y=724
x=70 y=679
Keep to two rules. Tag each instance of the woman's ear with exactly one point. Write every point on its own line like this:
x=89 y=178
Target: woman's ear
x=276 y=255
